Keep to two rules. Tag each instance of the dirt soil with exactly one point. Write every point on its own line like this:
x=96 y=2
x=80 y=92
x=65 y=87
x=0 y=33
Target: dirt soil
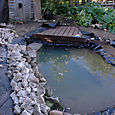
x=99 y=33
x=22 y=29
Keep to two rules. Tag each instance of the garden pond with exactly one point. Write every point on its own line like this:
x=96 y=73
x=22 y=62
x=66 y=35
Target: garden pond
x=81 y=79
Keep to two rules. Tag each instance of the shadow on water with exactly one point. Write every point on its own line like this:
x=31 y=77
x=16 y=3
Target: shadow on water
x=81 y=78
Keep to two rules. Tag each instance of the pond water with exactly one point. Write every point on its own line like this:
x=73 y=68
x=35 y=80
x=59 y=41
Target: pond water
x=82 y=80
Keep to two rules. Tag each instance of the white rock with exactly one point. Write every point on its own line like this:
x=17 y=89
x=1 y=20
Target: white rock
x=33 y=79
x=41 y=90
x=40 y=99
x=26 y=113
x=25 y=82
x=32 y=85
x=28 y=104
x=14 y=98
x=45 y=109
x=17 y=77
x=28 y=90
x=37 y=110
x=13 y=84
x=34 y=89
x=21 y=100
x=17 y=109
x=22 y=93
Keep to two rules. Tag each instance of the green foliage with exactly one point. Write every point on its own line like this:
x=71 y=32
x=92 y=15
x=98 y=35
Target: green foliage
x=84 y=15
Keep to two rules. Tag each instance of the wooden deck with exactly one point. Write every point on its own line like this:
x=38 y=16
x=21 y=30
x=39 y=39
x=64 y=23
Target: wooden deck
x=62 y=35
x=70 y=31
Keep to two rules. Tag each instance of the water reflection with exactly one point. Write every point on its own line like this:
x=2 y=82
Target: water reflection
x=60 y=57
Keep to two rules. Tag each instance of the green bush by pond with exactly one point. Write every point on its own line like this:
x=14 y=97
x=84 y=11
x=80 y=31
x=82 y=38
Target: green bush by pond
x=88 y=14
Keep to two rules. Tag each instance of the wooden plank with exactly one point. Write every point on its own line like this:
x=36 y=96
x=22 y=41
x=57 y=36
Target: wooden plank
x=75 y=32
x=52 y=31
x=71 y=31
x=46 y=32
x=63 y=30
x=67 y=31
x=58 y=31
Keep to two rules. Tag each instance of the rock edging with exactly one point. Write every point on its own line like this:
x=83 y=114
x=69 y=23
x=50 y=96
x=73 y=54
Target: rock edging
x=26 y=81
x=28 y=85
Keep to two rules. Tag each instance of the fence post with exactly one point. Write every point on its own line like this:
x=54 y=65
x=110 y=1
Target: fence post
x=37 y=9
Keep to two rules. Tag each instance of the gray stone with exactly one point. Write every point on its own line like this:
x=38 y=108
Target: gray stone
x=40 y=100
x=34 y=46
x=48 y=91
x=14 y=97
x=21 y=99
x=45 y=109
x=17 y=109
x=32 y=53
x=32 y=85
x=26 y=113
x=33 y=79
x=37 y=110
x=22 y=93
x=22 y=47
x=56 y=112
x=13 y=84
x=17 y=77
x=24 y=82
x=28 y=90
x=34 y=89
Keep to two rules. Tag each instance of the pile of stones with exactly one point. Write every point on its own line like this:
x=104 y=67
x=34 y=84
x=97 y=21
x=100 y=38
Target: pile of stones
x=28 y=85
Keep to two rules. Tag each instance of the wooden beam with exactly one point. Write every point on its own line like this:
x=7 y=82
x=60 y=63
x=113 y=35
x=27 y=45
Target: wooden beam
x=37 y=9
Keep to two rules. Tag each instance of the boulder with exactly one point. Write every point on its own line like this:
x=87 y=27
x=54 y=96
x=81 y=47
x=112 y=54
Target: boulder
x=34 y=46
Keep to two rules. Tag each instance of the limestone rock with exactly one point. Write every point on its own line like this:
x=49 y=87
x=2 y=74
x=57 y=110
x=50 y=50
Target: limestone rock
x=55 y=112
x=14 y=97
x=22 y=93
x=37 y=110
x=13 y=84
x=21 y=100
x=17 y=109
x=45 y=109
x=28 y=90
x=26 y=113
